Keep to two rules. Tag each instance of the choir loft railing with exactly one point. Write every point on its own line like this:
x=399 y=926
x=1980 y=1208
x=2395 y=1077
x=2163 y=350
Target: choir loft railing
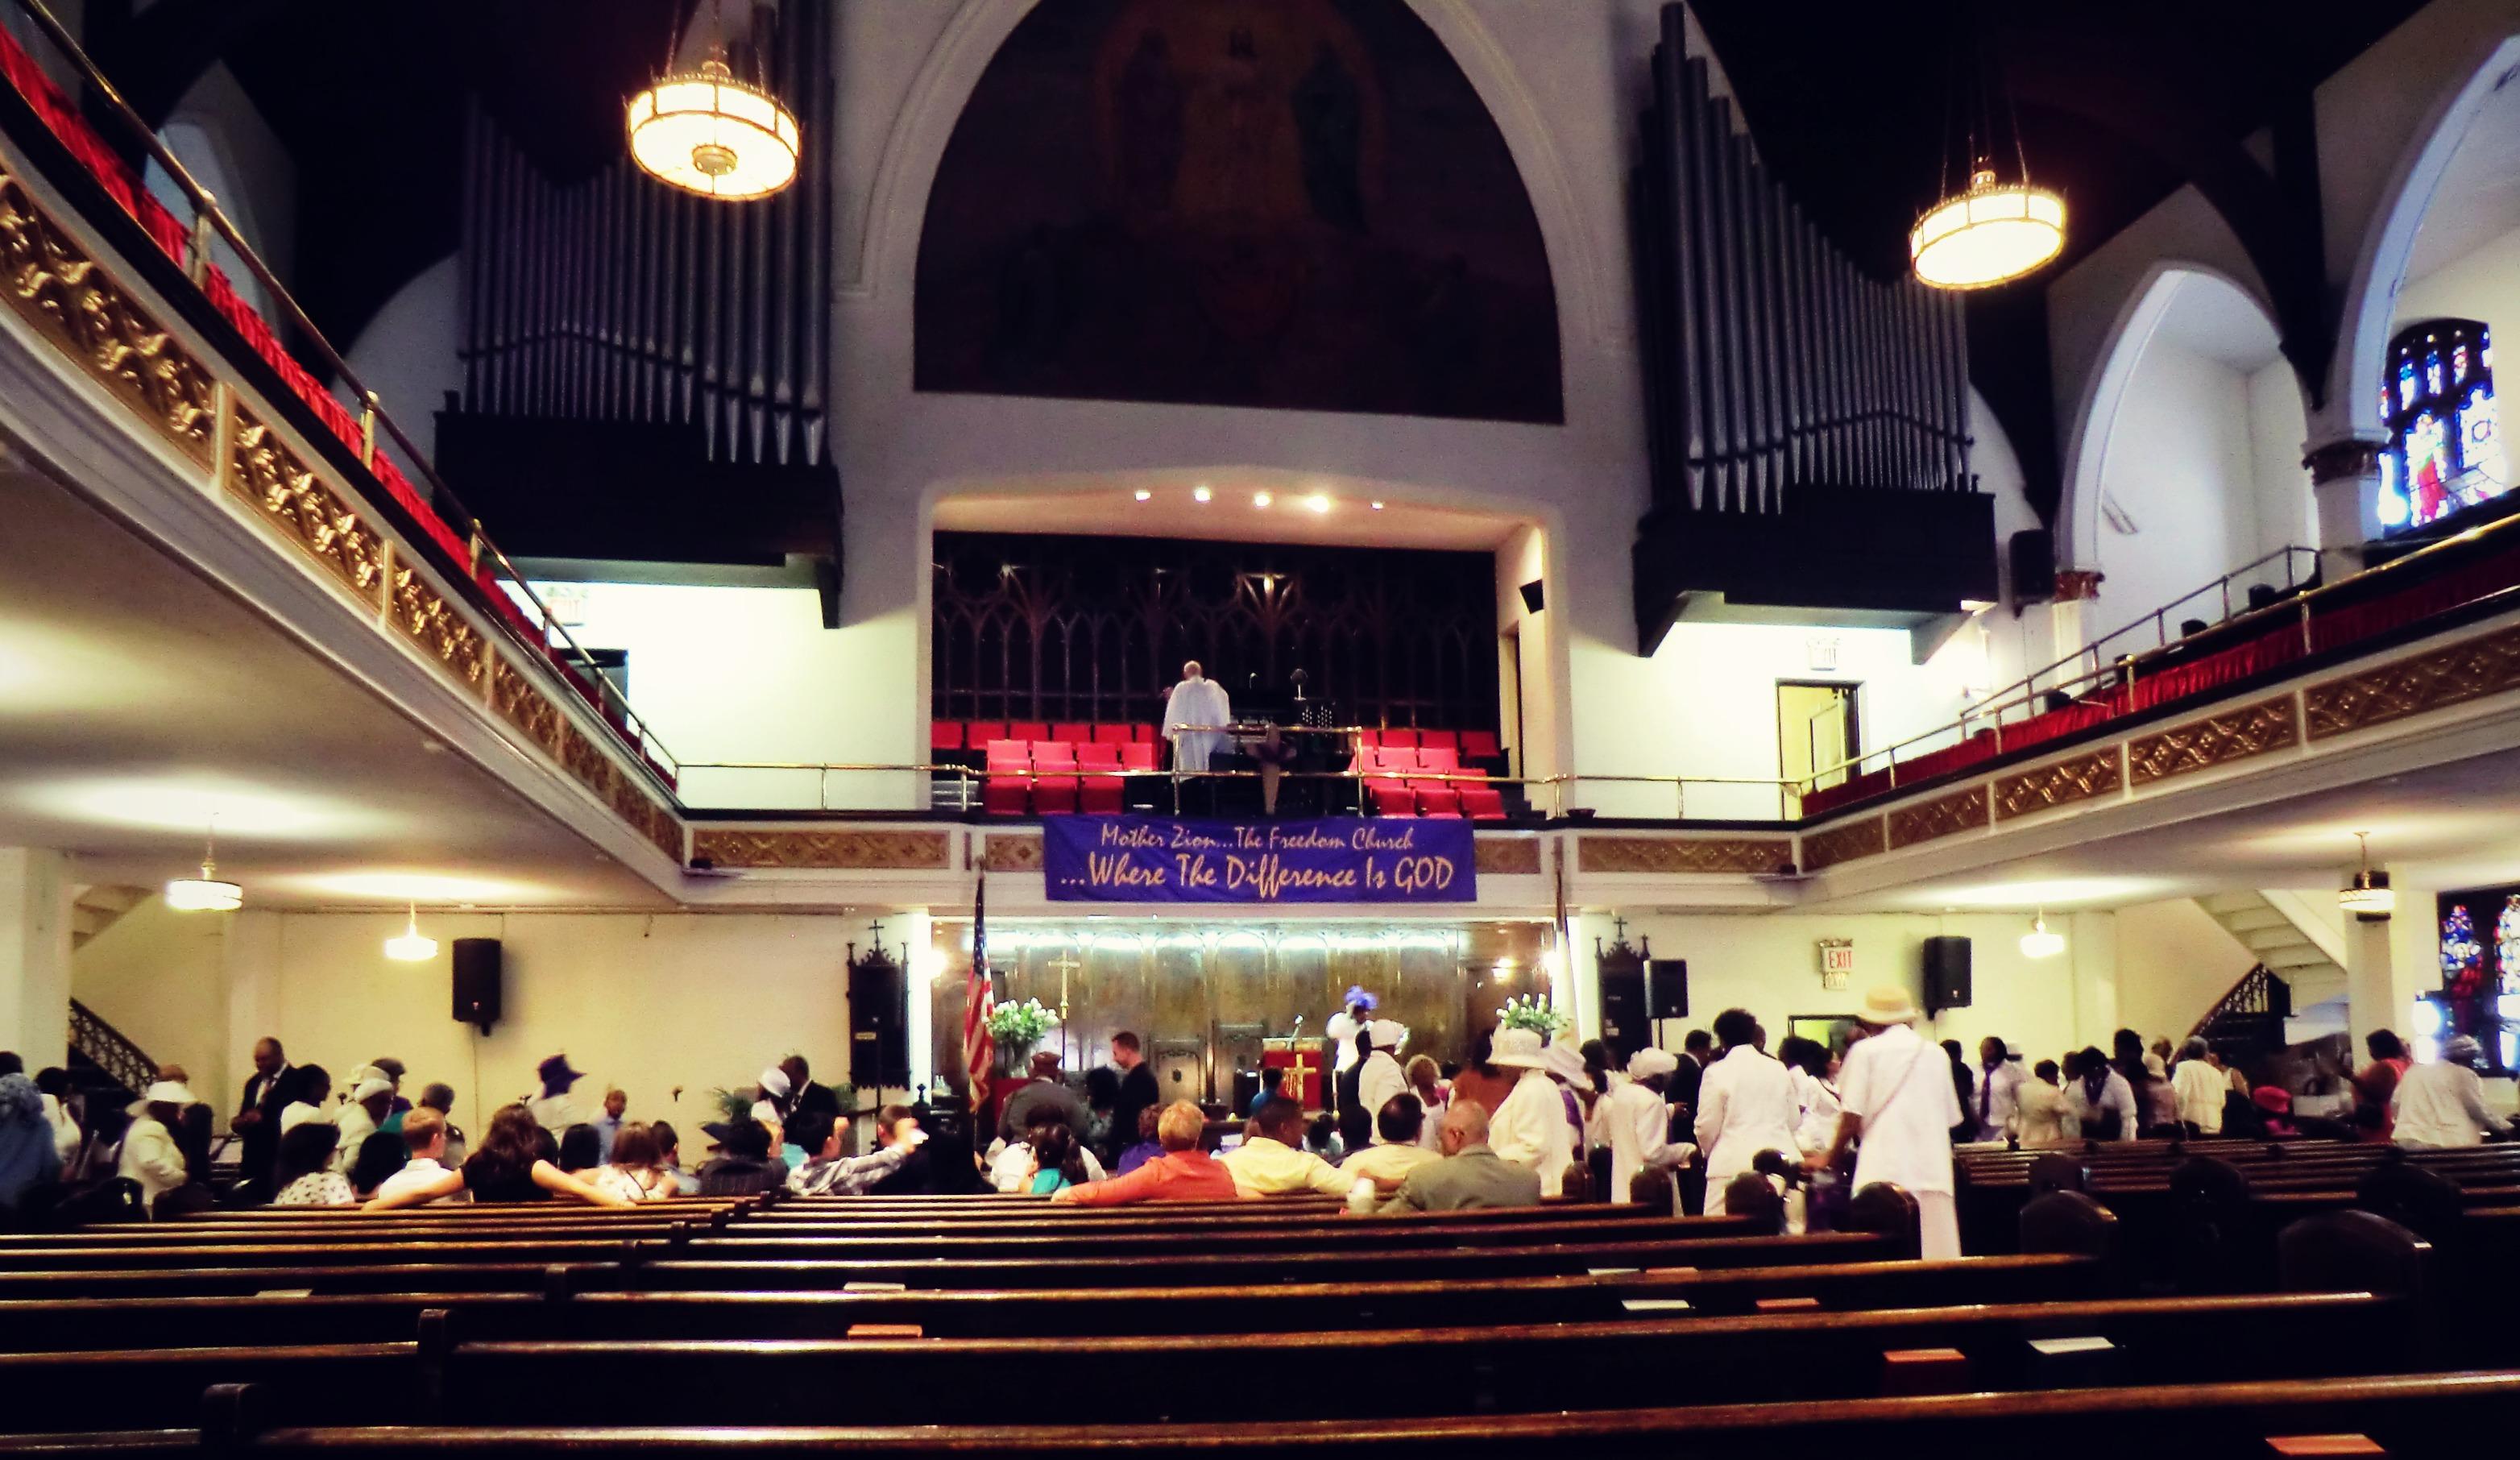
x=474 y=565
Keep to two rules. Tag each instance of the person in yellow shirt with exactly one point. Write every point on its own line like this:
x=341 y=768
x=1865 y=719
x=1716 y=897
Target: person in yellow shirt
x=1272 y=1160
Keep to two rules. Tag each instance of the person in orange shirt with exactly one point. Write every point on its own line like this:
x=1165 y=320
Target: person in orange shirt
x=1183 y=1173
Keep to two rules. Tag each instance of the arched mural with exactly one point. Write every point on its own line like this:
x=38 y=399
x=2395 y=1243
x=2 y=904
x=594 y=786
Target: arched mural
x=1290 y=204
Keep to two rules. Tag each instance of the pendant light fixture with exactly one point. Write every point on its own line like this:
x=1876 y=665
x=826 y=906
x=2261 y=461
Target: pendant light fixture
x=2039 y=942
x=2369 y=896
x=408 y=946
x=206 y=892
x=1992 y=230
x=707 y=132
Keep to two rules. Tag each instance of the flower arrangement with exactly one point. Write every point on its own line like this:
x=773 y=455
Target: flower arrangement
x=1537 y=1015
x=1017 y=1026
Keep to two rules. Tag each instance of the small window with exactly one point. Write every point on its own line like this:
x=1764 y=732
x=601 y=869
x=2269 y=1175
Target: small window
x=2445 y=451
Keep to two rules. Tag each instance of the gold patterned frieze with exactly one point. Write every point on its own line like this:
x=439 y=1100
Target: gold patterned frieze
x=433 y=624
x=2232 y=735
x=1963 y=811
x=2435 y=679
x=831 y=850
x=1861 y=838
x=1684 y=855
x=2059 y=783
x=521 y=704
x=1012 y=852
x=58 y=289
x=294 y=501
x=1507 y=856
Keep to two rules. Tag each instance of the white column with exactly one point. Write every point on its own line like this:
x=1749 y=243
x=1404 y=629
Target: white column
x=2091 y=944
x=2374 y=998
x=35 y=954
x=2345 y=485
x=927 y=969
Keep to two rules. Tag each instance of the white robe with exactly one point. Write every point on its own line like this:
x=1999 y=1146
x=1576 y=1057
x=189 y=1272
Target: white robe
x=1901 y=1087
x=1195 y=702
x=1340 y=1031
x=1635 y=1122
x=1380 y=1080
x=1530 y=1129
x=1745 y=1105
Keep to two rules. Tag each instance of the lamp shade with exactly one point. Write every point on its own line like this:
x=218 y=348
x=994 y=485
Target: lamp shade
x=2369 y=896
x=1992 y=233
x=204 y=893
x=408 y=946
x=708 y=133
x=2039 y=942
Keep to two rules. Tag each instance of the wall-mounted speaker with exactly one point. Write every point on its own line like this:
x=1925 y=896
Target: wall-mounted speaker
x=2033 y=552
x=878 y=1025
x=1667 y=987
x=1531 y=597
x=476 y=981
x=1947 y=974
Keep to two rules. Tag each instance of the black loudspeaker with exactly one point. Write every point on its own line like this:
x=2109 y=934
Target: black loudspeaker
x=1623 y=1010
x=2034 y=566
x=879 y=1026
x=1667 y=986
x=1947 y=974
x=1531 y=600
x=476 y=981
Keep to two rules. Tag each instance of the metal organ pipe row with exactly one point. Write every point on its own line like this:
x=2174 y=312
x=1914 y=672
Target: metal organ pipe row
x=620 y=300
x=1771 y=362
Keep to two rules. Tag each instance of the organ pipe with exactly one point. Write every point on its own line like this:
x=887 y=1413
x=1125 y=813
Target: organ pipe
x=615 y=298
x=1773 y=361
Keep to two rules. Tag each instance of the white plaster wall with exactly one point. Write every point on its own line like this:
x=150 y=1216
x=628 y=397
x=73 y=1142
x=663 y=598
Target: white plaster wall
x=407 y=356
x=2175 y=963
x=649 y=1003
x=155 y=975
x=2485 y=285
x=2287 y=515
x=2180 y=467
x=223 y=141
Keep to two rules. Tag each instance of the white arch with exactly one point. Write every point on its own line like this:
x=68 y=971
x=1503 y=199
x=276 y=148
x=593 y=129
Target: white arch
x=2389 y=236
x=2087 y=451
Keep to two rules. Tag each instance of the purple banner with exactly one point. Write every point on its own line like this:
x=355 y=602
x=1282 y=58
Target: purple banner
x=1345 y=859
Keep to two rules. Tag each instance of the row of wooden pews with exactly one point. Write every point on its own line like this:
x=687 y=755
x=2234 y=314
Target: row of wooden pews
x=932 y=1327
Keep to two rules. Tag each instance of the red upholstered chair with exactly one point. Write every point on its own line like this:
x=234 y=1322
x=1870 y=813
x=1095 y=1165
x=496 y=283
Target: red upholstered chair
x=1481 y=802
x=1439 y=758
x=1398 y=757
x=1111 y=735
x=1367 y=738
x=978 y=733
x=1137 y=754
x=1005 y=794
x=1400 y=739
x=1392 y=799
x=1029 y=730
x=1481 y=745
x=1073 y=732
x=944 y=735
x=1152 y=735
x=1435 y=798
x=1102 y=793
x=1438 y=740
x=1052 y=795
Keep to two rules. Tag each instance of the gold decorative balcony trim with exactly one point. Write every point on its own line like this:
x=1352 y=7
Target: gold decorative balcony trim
x=1963 y=811
x=2419 y=684
x=1678 y=856
x=2060 y=783
x=2240 y=733
x=1861 y=838
x=838 y=852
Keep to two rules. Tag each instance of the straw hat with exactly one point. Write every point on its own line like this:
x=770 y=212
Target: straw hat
x=163 y=1092
x=1887 y=1004
x=1517 y=1049
x=1645 y=1063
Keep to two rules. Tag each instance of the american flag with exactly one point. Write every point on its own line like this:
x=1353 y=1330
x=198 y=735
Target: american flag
x=979 y=1049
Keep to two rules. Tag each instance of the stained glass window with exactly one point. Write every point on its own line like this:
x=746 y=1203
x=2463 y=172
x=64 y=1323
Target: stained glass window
x=2445 y=451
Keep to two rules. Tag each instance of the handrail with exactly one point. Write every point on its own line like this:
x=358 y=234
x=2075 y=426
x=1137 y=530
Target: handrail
x=208 y=218
x=2298 y=608
x=110 y=1050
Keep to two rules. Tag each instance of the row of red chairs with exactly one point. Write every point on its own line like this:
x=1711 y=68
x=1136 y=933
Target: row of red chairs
x=1471 y=745
x=976 y=735
x=1396 y=793
x=1060 y=780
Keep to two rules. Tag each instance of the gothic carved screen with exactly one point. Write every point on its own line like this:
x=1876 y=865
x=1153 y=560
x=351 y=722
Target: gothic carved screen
x=1040 y=627
x=1292 y=204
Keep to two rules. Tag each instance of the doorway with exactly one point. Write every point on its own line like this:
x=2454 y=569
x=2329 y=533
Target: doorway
x=1816 y=730
x=1509 y=681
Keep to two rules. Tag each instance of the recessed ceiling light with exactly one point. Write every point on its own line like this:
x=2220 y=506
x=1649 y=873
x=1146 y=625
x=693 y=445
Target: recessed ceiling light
x=1318 y=502
x=1377 y=507
x=1199 y=494
x=1261 y=499
x=1145 y=495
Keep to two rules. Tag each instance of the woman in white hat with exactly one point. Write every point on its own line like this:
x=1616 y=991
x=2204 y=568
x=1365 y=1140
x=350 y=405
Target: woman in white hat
x=150 y=1153
x=1381 y=1076
x=1900 y=1110
x=1530 y=1128
x=1634 y=1122
x=1745 y=1105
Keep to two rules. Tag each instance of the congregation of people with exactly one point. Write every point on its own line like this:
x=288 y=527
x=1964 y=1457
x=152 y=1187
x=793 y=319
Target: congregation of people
x=1526 y=1119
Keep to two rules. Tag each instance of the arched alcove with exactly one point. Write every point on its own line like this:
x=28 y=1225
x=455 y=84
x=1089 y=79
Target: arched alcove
x=1297 y=204
x=2189 y=462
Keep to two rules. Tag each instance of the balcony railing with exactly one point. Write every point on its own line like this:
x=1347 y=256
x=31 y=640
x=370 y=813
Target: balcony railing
x=432 y=512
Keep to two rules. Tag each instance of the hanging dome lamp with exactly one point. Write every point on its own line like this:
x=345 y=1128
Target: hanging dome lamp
x=707 y=132
x=1993 y=230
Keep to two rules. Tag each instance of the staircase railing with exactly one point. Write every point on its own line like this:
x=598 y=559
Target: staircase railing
x=2258 y=992
x=110 y=1050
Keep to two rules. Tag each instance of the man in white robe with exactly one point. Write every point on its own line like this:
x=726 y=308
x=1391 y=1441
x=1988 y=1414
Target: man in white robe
x=1197 y=701
x=1745 y=1105
x=1899 y=1111
x=1381 y=1078
x=1634 y=1122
